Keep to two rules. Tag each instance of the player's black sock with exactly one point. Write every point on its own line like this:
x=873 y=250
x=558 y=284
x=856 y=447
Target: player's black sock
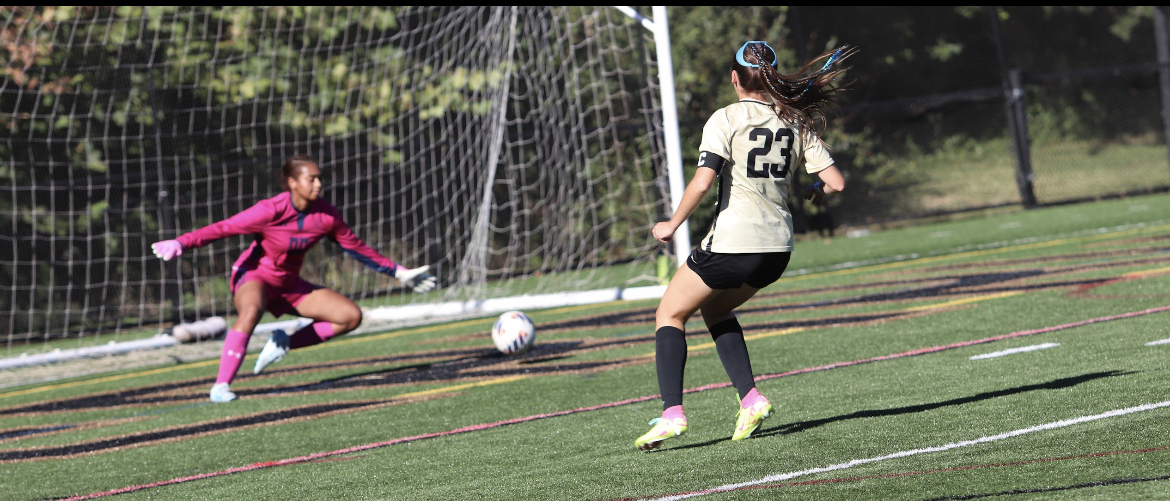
x=670 y=349
x=728 y=336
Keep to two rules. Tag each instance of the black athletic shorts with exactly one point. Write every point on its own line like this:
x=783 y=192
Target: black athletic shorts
x=730 y=271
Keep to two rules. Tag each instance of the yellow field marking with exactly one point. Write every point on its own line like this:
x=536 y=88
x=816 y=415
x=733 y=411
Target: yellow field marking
x=392 y=334
x=110 y=378
x=762 y=335
x=457 y=387
x=965 y=301
x=1139 y=274
x=581 y=307
x=752 y=337
x=780 y=332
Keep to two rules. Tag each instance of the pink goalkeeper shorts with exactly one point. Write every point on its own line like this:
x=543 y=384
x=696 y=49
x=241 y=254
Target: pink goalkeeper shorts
x=281 y=300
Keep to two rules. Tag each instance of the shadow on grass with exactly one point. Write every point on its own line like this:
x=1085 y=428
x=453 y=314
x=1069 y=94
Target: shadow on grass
x=1055 y=384
x=800 y=426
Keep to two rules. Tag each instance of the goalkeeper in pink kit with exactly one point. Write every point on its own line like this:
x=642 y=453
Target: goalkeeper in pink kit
x=267 y=274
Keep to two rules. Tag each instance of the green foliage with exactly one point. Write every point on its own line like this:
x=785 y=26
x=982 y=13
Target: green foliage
x=257 y=57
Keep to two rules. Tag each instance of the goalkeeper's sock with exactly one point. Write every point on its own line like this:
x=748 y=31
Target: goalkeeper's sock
x=670 y=351
x=733 y=352
x=309 y=335
x=235 y=344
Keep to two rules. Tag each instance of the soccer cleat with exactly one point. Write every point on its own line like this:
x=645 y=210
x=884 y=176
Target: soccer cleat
x=662 y=430
x=274 y=350
x=751 y=418
x=221 y=394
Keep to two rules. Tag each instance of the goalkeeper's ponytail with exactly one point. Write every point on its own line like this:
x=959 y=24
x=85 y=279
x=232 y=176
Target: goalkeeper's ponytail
x=292 y=168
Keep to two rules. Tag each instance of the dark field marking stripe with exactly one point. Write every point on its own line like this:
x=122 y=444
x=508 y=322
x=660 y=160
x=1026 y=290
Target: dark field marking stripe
x=181 y=432
x=497 y=424
x=24 y=432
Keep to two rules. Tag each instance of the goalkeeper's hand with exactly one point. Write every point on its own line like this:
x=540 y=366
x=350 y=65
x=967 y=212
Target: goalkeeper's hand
x=417 y=279
x=167 y=249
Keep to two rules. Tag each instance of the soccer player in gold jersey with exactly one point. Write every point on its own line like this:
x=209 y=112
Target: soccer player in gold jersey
x=752 y=147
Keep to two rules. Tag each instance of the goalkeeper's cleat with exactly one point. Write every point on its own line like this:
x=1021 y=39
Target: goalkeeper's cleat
x=221 y=394
x=662 y=430
x=750 y=418
x=274 y=350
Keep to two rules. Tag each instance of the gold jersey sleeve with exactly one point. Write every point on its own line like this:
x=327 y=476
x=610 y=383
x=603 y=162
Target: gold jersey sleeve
x=761 y=152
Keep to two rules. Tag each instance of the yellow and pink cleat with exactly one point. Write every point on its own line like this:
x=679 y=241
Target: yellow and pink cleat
x=663 y=429
x=751 y=417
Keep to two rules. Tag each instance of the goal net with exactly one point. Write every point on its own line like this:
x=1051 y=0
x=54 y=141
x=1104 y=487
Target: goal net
x=516 y=150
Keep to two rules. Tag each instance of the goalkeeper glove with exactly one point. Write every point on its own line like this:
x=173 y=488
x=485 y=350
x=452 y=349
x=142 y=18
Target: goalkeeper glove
x=417 y=279
x=167 y=249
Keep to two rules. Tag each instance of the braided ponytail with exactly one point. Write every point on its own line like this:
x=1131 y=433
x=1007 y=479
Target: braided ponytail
x=803 y=97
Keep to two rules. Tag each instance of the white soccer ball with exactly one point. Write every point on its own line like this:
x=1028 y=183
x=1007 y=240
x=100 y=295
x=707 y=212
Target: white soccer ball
x=513 y=333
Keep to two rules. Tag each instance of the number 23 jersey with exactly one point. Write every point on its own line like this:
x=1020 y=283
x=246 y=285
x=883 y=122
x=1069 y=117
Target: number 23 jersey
x=760 y=152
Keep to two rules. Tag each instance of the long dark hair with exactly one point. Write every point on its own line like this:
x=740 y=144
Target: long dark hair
x=802 y=97
x=292 y=168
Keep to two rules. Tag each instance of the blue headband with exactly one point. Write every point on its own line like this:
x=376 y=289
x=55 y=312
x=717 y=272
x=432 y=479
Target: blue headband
x=739 y=55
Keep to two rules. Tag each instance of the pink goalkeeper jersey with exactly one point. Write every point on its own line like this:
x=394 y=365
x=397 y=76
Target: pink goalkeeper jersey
x=284 y=235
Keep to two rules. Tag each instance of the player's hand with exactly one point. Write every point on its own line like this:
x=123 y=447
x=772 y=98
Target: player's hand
x=663 y=232
x=167 y=249
x=418 y=279
x=815 y=192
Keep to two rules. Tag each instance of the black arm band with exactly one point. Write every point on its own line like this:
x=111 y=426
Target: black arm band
x=711 y=161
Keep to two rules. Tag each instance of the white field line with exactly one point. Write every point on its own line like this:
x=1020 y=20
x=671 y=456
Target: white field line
x=913 y=452
x=1160 y=341
x=1011 y=351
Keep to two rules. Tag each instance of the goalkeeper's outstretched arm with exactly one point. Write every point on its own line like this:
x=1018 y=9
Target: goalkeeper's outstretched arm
x=417 y=279
x=249 y=221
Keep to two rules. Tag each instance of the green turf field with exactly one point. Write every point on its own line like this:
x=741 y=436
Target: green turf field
x=877 y=350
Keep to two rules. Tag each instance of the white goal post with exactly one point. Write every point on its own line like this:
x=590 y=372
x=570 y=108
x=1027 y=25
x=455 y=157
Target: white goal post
x=661 y=29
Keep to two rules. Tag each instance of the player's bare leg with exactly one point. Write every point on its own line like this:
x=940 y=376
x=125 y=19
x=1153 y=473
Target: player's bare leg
x=250 y=299
x=332 y=314
x=684 y=296
x=325 y=306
